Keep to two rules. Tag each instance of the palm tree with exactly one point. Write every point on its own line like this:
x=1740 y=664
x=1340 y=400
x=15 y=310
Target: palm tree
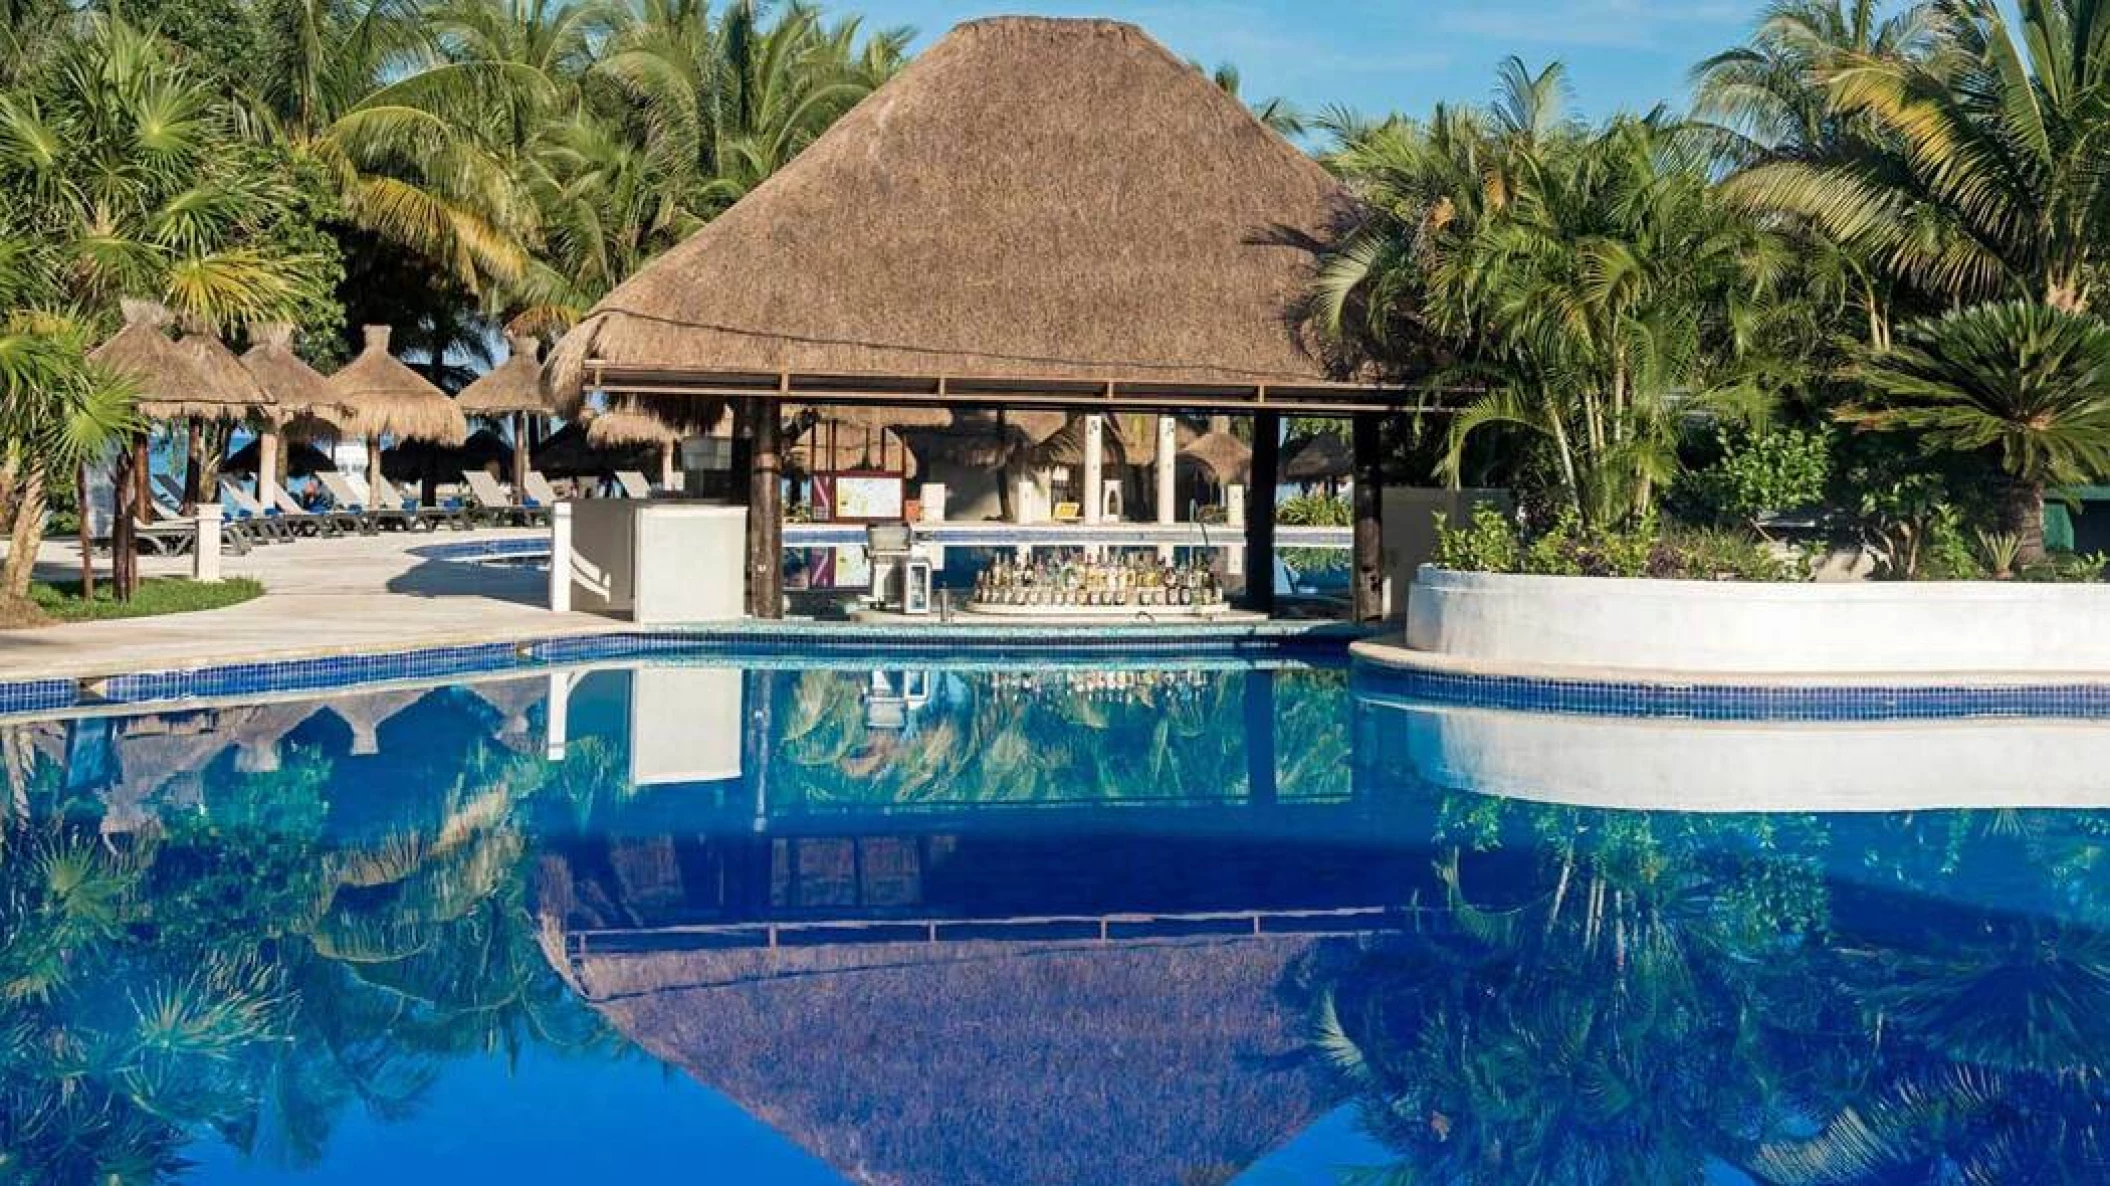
x=1588 y=282
x=2027 y=382
x=130 y=179
x=1980 y=167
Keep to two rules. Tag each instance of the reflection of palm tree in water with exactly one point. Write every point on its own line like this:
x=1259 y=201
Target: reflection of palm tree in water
x=1052 y=742
x=240 y=974
x=1635 y=1010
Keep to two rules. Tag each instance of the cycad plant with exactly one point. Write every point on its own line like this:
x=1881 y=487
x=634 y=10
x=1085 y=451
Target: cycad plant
x=2026 y=383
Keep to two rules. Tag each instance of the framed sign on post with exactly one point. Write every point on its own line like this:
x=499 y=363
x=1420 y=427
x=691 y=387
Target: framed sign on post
x=860 y=497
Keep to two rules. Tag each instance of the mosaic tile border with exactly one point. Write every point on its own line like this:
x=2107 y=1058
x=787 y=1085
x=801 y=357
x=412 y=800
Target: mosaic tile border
x=1730 y=702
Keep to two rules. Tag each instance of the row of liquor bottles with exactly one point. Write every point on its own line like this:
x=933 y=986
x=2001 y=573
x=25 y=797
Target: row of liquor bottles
x=1138 y=580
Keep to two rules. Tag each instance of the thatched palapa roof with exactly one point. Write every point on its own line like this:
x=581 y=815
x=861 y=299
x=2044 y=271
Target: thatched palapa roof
x=387 y=398
x=569 y=454
x=305 y=404
x=1168 y=1061
x=1031 y=199
x=1066 y=447
x=415 y=461
x=514 y=385
x=194 y=377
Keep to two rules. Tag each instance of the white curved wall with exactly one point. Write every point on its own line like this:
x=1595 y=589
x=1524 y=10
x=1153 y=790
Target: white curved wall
x=1638 y=764
x=1486 y=620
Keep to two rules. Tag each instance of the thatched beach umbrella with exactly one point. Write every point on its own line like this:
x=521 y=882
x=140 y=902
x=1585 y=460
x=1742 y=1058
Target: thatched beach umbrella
x=625 y=428
x=424 y=461
x=568 y=453
x=513 y=389
x=388 y=399
x=1224 y=457
x=306 y=409
x=296 y=459
x=1323 y=458
x=193 y=378
x=1066 y=447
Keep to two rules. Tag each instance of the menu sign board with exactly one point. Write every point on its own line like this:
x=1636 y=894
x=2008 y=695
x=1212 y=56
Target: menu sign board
x=860 y=498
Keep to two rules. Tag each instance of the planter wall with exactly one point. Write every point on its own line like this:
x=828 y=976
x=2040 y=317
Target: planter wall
x=1498 y=622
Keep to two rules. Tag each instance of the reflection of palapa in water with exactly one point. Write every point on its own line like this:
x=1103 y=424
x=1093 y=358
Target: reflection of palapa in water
x=1132 y=1062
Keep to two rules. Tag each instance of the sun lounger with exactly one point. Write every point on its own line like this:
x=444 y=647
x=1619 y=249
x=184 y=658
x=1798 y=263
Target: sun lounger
x=633 y=483
x=173 y=533
x=494 y=504
x=349 y=498
x=454 y=515
x=302 y=521
x=243 y=509
x=536 y=492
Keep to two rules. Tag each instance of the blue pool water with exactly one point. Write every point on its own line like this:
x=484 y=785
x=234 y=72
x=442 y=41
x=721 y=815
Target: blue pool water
x=1039 y=922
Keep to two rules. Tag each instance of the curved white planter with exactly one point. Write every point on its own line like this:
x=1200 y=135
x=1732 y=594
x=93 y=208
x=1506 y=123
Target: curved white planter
x=1487 y=622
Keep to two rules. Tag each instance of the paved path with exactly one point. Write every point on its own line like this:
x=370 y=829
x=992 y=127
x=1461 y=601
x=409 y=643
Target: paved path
x=322 y=596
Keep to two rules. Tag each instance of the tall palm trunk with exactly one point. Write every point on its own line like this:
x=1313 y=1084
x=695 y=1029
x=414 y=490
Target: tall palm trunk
x=85 y=530
x=25 y=536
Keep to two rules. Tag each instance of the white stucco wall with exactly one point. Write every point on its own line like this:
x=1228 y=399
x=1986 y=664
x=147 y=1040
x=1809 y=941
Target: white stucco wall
x=1657 y=765
x=1493 y=621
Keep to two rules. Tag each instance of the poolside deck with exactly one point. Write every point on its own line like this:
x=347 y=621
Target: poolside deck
x=322 y=597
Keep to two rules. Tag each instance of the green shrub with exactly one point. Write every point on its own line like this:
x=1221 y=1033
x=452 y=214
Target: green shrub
x=1783 y=470
x=1315 y=510
x=1492 y=542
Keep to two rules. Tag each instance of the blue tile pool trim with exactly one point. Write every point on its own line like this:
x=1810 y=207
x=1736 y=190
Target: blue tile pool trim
x=762 y=642
x=1730 y=702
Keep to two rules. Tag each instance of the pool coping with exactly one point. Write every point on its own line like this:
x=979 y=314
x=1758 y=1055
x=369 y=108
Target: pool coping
x=338 y=669
x=1387 y=672
x=1386 y=651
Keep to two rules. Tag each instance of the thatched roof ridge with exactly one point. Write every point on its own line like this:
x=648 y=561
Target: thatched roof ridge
x=387 y=398
x=1226 y=457
x=194 y=377
x=1030 y=199
x=514 y=385
x=299 y=390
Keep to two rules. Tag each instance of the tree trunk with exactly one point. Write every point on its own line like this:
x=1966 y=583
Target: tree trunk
x=25 y=536
x=86 y=531
x=2024 y=511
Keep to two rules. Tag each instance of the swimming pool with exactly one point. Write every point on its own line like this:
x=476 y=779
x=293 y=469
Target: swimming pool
x=1028 y=920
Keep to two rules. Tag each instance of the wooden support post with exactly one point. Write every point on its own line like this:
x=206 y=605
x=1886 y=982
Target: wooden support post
x=1260 y=513
x=1369 y=520
x=765 y=512
x=523 y=451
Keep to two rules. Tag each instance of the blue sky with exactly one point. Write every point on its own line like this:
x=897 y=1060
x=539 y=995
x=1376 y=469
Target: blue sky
x=1379 y=55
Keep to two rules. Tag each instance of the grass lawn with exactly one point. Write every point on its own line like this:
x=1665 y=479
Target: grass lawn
x=62 y=602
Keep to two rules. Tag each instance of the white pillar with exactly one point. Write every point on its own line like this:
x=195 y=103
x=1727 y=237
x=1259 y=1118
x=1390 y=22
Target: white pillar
x=205 y=558
x=669 y=473
x=560 y=558
x=1094 y=468
x=1168 y=463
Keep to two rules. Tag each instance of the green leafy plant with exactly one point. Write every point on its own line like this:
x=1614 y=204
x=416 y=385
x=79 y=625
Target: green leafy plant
x=1998 y=550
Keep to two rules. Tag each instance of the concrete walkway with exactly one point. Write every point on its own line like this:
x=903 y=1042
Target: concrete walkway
x=322 y=597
